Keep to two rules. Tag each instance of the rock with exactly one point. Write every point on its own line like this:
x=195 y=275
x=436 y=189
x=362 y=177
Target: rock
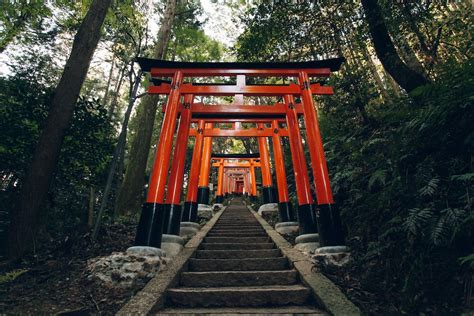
x=172 y=245
x=307 y=243
x=188 y=229
x=126 y=269
x=287 y=228
x=205 y=211
x=268 y=208
x=332 y=257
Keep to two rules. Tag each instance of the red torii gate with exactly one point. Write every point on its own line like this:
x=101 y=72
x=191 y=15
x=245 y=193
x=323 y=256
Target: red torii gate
x=248 y=168
x=160 y=215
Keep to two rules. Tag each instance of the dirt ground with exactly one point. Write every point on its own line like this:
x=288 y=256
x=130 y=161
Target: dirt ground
x=54 y=281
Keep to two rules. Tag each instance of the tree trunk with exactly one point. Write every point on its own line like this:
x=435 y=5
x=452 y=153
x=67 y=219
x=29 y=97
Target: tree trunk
x=46 y=156
x=90 y=211
x=374 y=72
x=406 y=77
x=118 y=151
x=113 y=104
x=109 y=80
x=130 y=195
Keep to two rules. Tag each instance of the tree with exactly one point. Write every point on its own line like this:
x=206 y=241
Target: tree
x=130 y=193
x=406 y=77
x=45 y=159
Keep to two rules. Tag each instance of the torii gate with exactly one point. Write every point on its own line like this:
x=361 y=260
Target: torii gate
x=160 y=215
x=222 y=162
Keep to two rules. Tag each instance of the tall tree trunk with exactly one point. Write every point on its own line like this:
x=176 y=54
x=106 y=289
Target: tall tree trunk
x=406 y=77
x=46 y=156
x=109 y=80
x=374 y=72
x=130 y=195
x=113 y=104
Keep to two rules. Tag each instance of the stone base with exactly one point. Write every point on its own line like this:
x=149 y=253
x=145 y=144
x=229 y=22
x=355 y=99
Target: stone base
x=287 y=228
x=307 y=242
x=171 y=245
x=217 y=207
x=332 y=256
x=205 y=211
x=189 y=229
x=268 y=208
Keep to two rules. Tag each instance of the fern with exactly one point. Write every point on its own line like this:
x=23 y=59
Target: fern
x=378 y=176
x=430 y=188
x=467 y=260
x=440 y=232
x=454 y=216
x=417 y=219
x=467 y=177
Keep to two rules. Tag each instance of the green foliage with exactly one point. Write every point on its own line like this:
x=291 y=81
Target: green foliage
x=24 y=101
x=410 y=169
x=400 y=165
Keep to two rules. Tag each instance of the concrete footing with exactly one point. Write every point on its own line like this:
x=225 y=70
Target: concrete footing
x=189 y=229
x=287 y=228
x=172 y=245
x=268 y=208
x=205 y=211
x=307 y=242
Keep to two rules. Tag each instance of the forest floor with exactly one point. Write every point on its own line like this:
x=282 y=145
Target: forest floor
x=54 y=280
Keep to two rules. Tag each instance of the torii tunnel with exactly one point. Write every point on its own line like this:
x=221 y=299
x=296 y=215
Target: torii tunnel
x=185 y=117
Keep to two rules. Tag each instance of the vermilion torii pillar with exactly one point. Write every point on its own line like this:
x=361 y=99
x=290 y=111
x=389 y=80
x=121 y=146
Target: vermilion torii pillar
x=203 y=186
x=157 y=214
x=268 y=191
x=190 y=205
x=284 y=205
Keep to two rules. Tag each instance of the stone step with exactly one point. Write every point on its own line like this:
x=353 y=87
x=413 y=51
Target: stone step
x=233 y=230
x=237 y=234
x=252 y=264
x=243 y=311
x=247 y=226
x=237 y=254
x=220 y=240
x=238 y=278
x=239 y=296
x=237 y=246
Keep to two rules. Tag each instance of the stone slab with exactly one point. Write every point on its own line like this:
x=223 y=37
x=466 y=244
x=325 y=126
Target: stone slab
x=237 y=296
x=237 y=254
x=238 y=278
x=252 y=264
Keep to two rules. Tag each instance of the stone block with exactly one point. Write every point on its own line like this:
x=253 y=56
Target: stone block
x=287 y=228
x=267 y=208
x=171 y=245
x=307 y=242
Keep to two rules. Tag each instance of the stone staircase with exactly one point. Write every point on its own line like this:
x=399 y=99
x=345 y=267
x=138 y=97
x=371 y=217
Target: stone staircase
x=239 y=270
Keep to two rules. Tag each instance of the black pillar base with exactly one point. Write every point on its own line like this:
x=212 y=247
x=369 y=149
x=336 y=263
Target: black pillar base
x=219 y=199
x=330 y=226
x=150 y=227
x=286 y=212
x=307 y=219
x=269 y=195
x=172 y=219
x=203 y=195
x=189 y=212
